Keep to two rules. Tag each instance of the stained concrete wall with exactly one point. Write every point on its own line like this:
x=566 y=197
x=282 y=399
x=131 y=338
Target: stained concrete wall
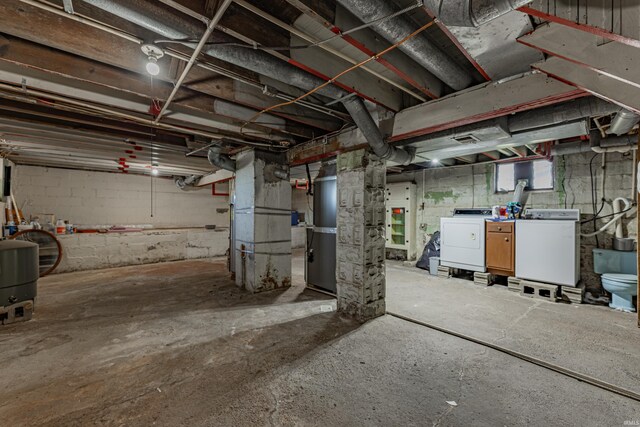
x=473 y=186
x=97 y=251
x=85 y=197
x=263 y=223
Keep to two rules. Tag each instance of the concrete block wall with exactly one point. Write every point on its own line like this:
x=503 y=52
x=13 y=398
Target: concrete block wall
x=96 y=251
x=443 y=189
x=86 y=197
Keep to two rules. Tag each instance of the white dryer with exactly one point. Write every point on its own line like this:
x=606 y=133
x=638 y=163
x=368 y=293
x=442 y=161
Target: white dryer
x=462 y=239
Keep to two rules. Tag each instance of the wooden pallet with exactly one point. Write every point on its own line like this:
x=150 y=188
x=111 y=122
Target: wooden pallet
x=19 y=312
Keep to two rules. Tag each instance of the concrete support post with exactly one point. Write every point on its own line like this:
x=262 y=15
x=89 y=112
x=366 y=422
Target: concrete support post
x=360 y=270
x=262 y=222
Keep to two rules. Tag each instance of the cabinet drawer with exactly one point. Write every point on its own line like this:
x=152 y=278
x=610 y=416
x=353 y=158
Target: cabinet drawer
x=500 y=227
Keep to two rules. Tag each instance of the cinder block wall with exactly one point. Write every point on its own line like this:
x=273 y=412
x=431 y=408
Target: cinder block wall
x=85 y=197
x=443 y=189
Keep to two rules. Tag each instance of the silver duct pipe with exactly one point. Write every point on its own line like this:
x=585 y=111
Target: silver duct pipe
x=419 y=48
x=268 y=65
x=623 y=122
x=532 y=119
x=187 y=183
x=621 y=144
x=561 y=113
x=151 y=17
x=368 y=127
x=281 y=174
x=471 y=13
x=148 y=15
x=220 y=160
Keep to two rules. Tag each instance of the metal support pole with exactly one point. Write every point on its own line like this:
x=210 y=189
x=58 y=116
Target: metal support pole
x=210 y=27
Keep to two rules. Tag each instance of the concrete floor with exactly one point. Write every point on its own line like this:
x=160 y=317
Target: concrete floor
x=178 y=344
x=593 y=340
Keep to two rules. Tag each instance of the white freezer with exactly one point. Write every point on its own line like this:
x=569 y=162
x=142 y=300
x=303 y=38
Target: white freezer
x=548 y=251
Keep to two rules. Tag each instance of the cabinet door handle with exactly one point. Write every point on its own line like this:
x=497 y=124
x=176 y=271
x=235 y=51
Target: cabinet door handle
x=499 y=228
x=506 y=239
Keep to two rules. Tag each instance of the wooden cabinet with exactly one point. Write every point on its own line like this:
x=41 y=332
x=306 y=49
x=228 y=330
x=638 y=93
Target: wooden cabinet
x=500 y=248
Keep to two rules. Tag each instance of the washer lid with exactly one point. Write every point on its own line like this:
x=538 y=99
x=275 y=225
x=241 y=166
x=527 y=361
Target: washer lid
x=624 y=278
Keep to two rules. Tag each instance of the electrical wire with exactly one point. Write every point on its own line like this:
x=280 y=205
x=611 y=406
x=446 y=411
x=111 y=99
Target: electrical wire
x=307 y=46
x=594 y=196
x=607 y=216
x=337 y=76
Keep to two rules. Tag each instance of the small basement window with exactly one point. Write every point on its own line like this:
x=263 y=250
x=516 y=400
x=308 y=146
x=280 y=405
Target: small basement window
x=539 y=174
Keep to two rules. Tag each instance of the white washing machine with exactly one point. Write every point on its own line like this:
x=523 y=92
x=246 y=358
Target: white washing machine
x=462 y=239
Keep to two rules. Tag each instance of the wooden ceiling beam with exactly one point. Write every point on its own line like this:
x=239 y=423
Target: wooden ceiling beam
x=32 y=55
x=17 y=19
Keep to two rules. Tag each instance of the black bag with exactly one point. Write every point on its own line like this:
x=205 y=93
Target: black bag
x=432 y=249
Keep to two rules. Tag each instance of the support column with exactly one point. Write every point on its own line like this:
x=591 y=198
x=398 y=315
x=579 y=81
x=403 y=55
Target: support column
x=262 y=222
x=360 y=270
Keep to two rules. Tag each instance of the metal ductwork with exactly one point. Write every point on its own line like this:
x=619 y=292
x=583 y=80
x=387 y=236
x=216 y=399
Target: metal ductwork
x=187 y=183
x=471 y=13
x=566 y=120
x=623 y=122
x=620 y=144
x=173 y=26
x=220 y=160
x=419 y=48
x=281 y=174
x=265 y=64
x=561 y=113
x=148 y=15
x=368 y=127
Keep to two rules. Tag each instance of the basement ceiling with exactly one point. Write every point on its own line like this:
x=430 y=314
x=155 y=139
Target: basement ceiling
x=75 y=92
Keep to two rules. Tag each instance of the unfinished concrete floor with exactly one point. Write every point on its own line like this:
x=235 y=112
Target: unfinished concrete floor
x=593 y=340
x=178 y=344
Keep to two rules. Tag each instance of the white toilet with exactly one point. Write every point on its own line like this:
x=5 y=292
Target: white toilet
x=619 y=276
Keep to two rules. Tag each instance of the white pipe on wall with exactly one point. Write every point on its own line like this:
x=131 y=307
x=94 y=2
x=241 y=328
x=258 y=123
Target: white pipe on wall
x=615 y=219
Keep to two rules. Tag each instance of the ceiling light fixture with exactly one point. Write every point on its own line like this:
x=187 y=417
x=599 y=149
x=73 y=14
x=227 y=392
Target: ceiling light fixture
x=154 y=53
x=434 y=161
x=154 y=171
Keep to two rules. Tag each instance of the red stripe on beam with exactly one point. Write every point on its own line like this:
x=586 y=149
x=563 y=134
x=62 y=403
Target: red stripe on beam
x=582 y=27
x=455 y=41
x=340 y=85
x=582 y=64
x=589 y=91
x=404 y=76
x=491 y=156
x=543 y=102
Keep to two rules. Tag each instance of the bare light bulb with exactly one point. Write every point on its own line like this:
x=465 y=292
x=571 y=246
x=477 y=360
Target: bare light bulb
x=152 y=66
x=434 y=161
x=154 y=171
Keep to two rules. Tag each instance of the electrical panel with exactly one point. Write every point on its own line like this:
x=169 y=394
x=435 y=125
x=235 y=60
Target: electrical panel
x=400 y=204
